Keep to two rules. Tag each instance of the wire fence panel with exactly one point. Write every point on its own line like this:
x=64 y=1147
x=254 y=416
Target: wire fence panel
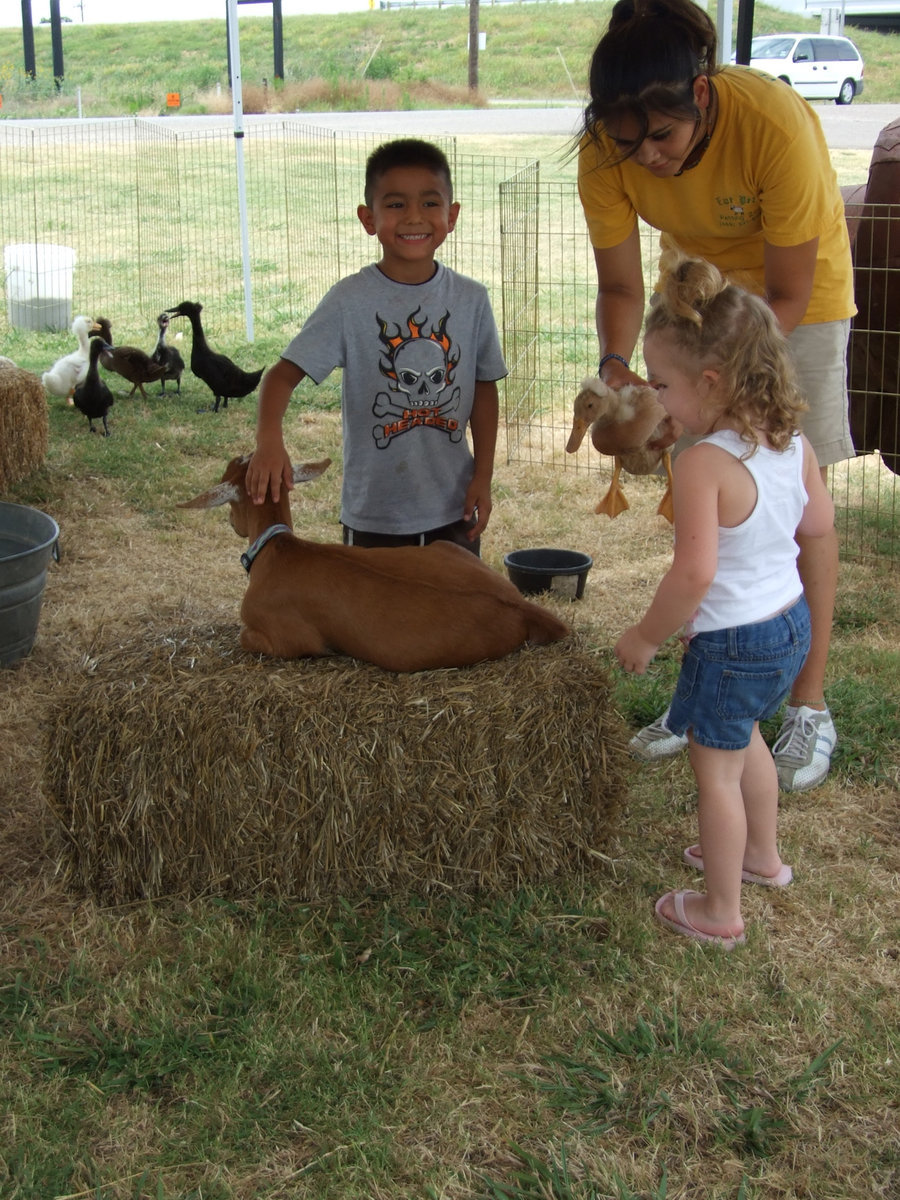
x=519 y=227
x=151 y=210
x=865 y=489
x=549 y=326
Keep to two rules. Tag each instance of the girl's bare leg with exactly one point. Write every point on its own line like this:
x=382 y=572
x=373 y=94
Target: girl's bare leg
x=723 y=836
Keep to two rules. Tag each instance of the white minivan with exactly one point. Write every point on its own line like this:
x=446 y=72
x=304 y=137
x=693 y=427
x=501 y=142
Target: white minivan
x=818 y=67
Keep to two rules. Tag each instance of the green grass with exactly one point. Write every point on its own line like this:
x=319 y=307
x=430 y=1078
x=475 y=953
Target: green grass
x=420 y=61
x=549 y=1043
x=215 y=1036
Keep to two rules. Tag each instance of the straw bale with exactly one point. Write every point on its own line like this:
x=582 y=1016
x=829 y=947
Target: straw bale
x=177 y=764
x=24 y=424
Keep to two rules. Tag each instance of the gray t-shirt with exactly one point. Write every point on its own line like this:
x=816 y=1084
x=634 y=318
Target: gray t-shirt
x=411 y=355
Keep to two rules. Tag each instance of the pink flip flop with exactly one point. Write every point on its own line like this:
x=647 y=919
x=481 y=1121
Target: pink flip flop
x=782 y=879
x=684 y=926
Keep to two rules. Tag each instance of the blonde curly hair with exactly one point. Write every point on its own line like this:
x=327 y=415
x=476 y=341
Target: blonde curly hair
x=720 y=326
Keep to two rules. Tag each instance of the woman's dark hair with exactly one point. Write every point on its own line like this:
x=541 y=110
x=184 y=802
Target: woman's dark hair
x=647 y=62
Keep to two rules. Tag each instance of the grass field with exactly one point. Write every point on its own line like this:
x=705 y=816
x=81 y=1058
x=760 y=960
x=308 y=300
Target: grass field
x=552 y=1043
x=400 y=59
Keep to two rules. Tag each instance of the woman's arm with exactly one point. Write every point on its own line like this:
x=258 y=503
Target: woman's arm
x=789 y=272
x=620 y=306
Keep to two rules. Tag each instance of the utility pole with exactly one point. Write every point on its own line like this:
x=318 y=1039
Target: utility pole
x=28 y=38
x=56 y=43
x=473 y=45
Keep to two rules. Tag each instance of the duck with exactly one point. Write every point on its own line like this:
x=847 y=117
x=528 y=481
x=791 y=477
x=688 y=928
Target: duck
x=130 y=362
x=630 y=424
x=71 y=369
x=224 y=378
x=168 y=356
x=92 y=396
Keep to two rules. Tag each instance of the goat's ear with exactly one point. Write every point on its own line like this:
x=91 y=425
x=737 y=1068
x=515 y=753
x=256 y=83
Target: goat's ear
x=222 y=493
x=304 y=472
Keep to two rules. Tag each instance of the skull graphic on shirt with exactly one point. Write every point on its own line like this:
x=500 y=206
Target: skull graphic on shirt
x=419 y=366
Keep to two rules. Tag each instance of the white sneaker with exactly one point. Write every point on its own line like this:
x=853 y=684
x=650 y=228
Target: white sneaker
x=803 y=748
x=657 y=741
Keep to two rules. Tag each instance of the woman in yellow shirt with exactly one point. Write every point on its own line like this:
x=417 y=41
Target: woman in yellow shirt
x=729 y=165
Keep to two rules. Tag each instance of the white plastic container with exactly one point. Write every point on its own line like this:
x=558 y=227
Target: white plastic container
x=39 y=285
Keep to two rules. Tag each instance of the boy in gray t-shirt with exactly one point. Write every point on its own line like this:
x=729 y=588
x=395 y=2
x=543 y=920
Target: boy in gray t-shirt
x=421 y=357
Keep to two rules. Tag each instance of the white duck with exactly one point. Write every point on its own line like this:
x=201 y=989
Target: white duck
x=71 y=369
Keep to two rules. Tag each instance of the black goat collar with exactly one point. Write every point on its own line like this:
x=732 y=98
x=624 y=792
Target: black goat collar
x=248 y=556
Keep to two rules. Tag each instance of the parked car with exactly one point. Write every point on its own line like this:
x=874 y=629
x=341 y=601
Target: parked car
x=818 y=67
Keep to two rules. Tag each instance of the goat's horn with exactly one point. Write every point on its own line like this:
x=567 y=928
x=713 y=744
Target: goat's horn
x=304 y=472
x=222 y=493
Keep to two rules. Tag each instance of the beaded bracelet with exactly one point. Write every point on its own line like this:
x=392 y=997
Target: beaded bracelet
x=618 y=357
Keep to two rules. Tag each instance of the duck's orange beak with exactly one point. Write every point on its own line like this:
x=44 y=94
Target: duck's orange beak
x=576 y=437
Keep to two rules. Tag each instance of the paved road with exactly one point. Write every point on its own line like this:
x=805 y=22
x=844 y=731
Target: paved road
x=850 y=127
x=853 y=127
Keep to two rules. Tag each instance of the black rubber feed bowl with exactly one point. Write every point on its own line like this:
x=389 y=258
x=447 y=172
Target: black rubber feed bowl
x=549 y=570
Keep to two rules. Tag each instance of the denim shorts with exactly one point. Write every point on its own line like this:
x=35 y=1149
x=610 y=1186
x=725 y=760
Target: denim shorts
x=732 y=678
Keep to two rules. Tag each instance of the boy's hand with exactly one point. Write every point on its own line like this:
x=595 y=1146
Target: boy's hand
x=634 y=652
x=478 y=502
x=267 y=471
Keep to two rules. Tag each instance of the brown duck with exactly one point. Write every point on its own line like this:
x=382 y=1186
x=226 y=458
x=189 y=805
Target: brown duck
x=130 y=362
x=630 y=424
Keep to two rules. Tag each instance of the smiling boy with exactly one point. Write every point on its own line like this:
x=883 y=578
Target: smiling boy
x=421 y=357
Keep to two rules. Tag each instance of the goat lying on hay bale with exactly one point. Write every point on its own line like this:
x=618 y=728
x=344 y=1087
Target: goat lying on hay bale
x=24 y=424
x=179 y=765
x=411 y=608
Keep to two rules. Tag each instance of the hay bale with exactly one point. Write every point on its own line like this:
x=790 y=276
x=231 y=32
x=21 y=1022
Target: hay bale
x=24 y=424
x=179 y=765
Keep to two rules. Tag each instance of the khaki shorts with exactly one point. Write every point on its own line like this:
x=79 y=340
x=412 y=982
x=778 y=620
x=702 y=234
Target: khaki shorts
x=820 y=357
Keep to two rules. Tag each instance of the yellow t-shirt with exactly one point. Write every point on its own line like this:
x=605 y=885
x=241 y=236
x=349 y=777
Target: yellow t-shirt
x=766 y=177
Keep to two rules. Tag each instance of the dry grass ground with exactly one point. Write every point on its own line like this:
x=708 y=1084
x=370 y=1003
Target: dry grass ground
x=559 y=1045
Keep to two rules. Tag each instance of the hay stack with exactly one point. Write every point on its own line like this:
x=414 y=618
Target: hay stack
x=24 y=425
x=179 y=765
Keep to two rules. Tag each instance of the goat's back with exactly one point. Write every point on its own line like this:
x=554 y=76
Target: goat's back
x=405 y=609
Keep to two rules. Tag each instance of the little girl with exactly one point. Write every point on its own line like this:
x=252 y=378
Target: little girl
x=722 y=369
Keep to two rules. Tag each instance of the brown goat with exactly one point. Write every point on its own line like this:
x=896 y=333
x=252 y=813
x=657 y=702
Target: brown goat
x=409 y=608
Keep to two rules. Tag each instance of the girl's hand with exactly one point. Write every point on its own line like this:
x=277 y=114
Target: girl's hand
x=634 y=652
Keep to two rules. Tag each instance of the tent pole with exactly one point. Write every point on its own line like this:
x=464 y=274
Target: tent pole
x=234 y=55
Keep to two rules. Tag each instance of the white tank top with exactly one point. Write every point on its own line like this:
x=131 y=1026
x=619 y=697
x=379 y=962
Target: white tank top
x=757 y=574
